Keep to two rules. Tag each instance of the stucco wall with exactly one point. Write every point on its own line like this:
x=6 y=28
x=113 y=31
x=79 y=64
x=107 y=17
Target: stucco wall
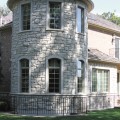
x=39 y=44
x=100 y=40
x=103 y=100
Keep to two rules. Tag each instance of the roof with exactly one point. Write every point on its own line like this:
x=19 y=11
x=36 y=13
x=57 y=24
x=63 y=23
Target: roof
x=89 y=3
x=97 y=21
x=6 y=19
x=96 y=55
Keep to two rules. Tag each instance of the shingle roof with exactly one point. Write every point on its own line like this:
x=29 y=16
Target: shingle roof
x=6 y=19
x=99 y=21
x=96 y=55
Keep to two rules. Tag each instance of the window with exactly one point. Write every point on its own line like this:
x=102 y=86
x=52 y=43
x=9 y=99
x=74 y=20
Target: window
x=25 y=16
x=54 y=65
x=24 y=75
x=80 y=75
x=55 y=15
x=80 y=19
x=100 y=80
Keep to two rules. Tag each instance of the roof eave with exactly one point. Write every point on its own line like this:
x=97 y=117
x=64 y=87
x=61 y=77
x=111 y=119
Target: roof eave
x=103 y=61
x=104 y=28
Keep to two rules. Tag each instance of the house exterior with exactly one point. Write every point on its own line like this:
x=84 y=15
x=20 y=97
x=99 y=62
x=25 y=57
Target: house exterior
x=104 y=64
x=49 y=57
x=60 y=63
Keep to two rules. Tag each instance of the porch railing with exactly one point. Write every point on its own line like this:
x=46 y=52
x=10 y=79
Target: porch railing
x=47 y=105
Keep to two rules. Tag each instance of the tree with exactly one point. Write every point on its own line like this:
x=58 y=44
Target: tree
x=1 y=75
x=4 y=11
x=111 y=17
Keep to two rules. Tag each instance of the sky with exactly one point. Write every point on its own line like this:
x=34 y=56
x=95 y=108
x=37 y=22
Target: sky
x=100 y=6
x=3 y=3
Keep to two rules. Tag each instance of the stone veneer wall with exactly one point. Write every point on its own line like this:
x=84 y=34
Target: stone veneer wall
x=40 y=44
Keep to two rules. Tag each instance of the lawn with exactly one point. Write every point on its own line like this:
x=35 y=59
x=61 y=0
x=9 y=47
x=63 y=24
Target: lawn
x=113 y=114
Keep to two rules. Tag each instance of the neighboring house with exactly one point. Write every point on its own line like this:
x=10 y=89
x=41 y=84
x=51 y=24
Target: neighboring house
x=5 y=19
x=103 y=54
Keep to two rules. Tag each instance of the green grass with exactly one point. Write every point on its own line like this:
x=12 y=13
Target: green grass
x=113 y=114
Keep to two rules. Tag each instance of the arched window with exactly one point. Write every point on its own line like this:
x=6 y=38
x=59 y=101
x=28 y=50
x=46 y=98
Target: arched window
x=54 y=71
x=24 y=75
x=80 y=75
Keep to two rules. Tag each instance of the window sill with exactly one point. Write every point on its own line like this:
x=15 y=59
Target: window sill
x=81 y=94
x=47 y=94
x=99 y=94
x=81 y=33
x=54 y=30
x=24 y=31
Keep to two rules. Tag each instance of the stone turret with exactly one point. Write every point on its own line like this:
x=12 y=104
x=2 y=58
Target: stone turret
x=49 y=46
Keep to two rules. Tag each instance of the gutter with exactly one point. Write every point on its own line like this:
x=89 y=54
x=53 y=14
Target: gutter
x=103 y=28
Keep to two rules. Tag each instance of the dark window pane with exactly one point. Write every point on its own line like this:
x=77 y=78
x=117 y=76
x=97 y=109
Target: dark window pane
x=24 y=63
x=57 y=86
x=55 y=15
x=51 y=62
x=54 y=75
x=52 y=21
x=57 y=81
x=51 y=90
x=51 y=81
x=56 y=90
x=57 y=71
x=51 y=76
x=51 y=85
x=51 y=71
x=25 y=9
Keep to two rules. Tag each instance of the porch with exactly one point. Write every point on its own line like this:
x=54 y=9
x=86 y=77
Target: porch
x=56 y=105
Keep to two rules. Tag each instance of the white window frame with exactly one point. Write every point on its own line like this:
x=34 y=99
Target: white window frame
x=83 y=76
x=99 y=68
x=47 y=15
x=19 y=76
x=83 y=7
x=47 y=75
x=20 y=20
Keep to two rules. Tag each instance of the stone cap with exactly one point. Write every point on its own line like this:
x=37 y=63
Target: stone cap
x=89 y=3
x=98 y=56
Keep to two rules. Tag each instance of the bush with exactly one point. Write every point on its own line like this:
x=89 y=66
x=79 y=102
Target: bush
x=3 y=106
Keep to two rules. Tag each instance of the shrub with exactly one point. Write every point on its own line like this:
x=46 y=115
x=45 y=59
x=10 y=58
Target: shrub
x=3 y=106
